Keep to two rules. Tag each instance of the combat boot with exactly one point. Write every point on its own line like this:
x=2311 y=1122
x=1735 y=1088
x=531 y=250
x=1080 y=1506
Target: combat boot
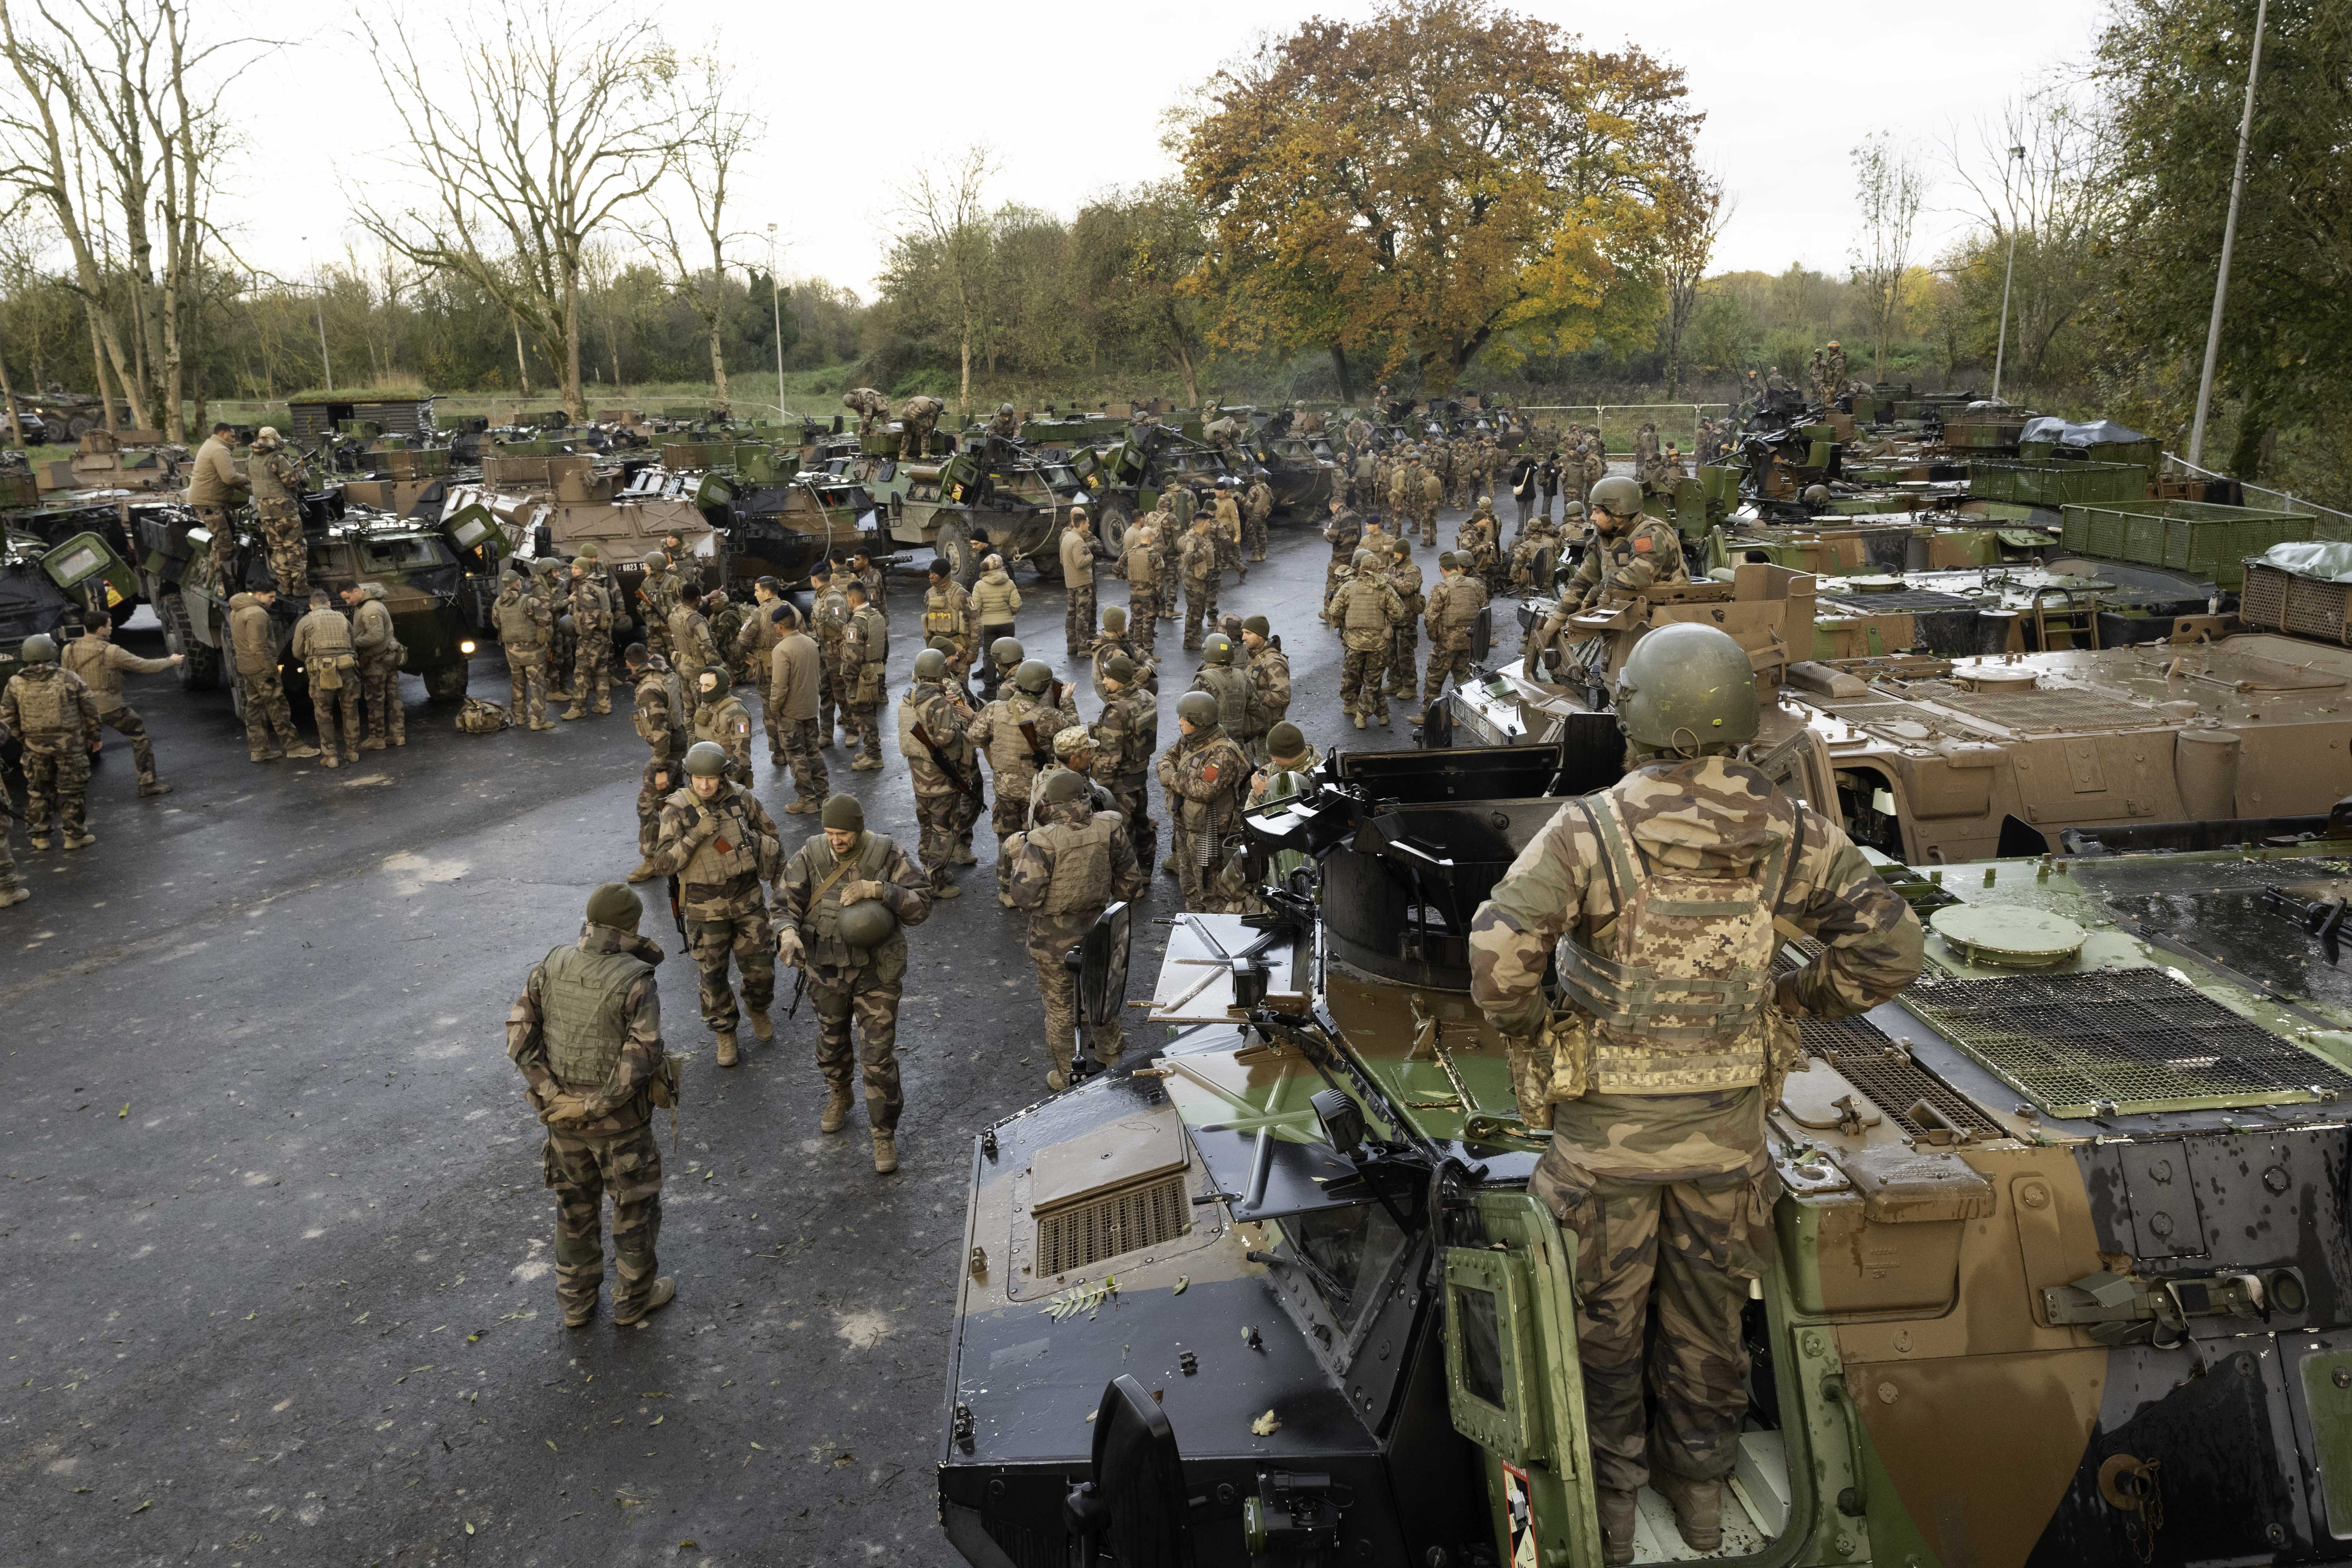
x=575 y=711
x=331 y=761
x=886 y=1151
x=149 y=786
x=301 y=751
x=605 y=706
x=1698 y=1508
x=267 y=754
x=540 y=724
x=964 y=857
x=727 y=1047
x=577 y=1316
x=1617 y=1513
x=14 y=896
x=1359 y=718
x=803 y=807
x=664 y=1290
x=837 y=1111
x=1057 y=1080
x=372 y=743
x=646 y=872
x=350 y=754
x=81 y=840
x=761 y=1028
x=867 y=765
x=943 y=888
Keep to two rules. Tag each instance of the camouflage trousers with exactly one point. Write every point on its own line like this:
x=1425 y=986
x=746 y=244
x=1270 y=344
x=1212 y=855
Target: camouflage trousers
x=1253 y=537
x=290 y=555
x=732 y=926
x=584 y=1171
x=1051 y=937
x=591 y=672
x=380 y=692
x=1200 y=600
x=828 y=683
x=1426 y=515
x=839 y=996
x=690 y=680
x=1442 y=662
x=57 y=779
x=326 y=707
x=944 y=820
x=526 y=685
x=265 y=711
x=802 y=738
x=1662 y=1273
x=1361 y=672
x=9 y=880
x=562 y=649
x=771 y=720
x=1171 y=583
x=127 y=723
x=1009 y=809
x=1404 y=656
x=215 y=520
x=1143 y=617
x=1078 y=620
x=1331 y=581
x=1131 y=798
x=1200 y=886
x=863 y=721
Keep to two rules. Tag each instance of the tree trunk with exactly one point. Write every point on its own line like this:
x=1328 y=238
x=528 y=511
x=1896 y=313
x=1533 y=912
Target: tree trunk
x=719 y=366
x=964 y=398
x=1192 y=377
x=522 y=364
x=2253 y=428
x=99 y=355
x=8 y=401
x=571 y=339
x=1339 y=369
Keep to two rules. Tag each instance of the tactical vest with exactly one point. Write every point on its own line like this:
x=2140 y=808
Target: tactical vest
x=517 y=629
x=581 y=996
x=957 y=752
x=872 y=633
x=1681 y=1003
x=45 y=704
x=943 y=615
x=1230 y=686
x=1082 y=865
x=591 y=607
x=731 y=853
x=1366 y=606
x=825 y=943
x=716 y=721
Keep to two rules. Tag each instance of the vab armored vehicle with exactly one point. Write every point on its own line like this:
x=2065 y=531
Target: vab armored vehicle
x=1018 y=497
x=2058 y=1274
x=48 y=588
x=1302 y=470
x=1124 y=479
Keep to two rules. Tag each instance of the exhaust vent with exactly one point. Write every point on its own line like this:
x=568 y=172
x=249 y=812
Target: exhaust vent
x=1085 y=1234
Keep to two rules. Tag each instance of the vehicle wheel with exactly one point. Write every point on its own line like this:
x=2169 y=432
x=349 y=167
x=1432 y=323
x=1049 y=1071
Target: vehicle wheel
x=446 y=683
x=79 y=425
x=957 y=551
x=1111 y=525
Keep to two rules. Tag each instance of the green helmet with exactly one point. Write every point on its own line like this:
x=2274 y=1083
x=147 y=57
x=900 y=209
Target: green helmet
x=545 y=566
x=656 y=562
x=1033 y=676
x=1219 y=649
x=1197 y=708
x=38 y=648
x=1066 y=786
x=866 y=923
x=1687 y=689
x=705 y=759
x=1618 y=495
x=588 y=551
x=1817 y=495
x=1006 y=652
x=930 y=665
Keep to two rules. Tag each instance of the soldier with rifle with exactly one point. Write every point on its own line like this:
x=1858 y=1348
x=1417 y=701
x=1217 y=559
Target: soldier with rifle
x=933 y=717
x=1016 y=732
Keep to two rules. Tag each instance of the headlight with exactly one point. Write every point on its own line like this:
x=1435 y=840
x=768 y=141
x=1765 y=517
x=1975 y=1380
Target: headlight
x=465 y=647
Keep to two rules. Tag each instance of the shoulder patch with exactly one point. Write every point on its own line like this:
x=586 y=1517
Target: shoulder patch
x=1642 y=545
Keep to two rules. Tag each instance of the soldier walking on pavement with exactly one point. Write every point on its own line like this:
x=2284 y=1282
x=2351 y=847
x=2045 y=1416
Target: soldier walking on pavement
x=101 y=663
x=524 y=624
x=1016 y=732
x=374 y=640
x=796 y=675
x=1067 y=870
x=49 y=711
x=1140 y=564
x=592 y=630
x=214 y=487
x=1663 y=900
x=1346 y=532
x=656 y=597
x=1204 y=774
x=828 y=622
x=278 y=480
x=1404 y=646
x=755 y=643
x=1454 y=607
x=1125 y=737
x=719 y=842
x=657 y=703
x=322 y=647
x=1078 y=552
x=847 y=897
x=691 y=650
x=1257 y=505
x=269 y=732
x=586 y=1034
x=946 y=613
x=864 y=659
x=941 y=764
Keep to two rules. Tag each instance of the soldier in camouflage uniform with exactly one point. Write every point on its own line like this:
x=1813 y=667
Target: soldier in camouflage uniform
x=1140 y=564
x=1537 y=538
x=1258 y=506
x=917 y=417
x=796 y=679
x=322 y=646
x=1404 y=645
x=656 y=703
x=864 y=659
x=551 y=584
x=1228 y=683
x=1346 y=533
x=278 y=481
x=1067 y=870
x=826 y=934
x=1454 y=607
x=1474 y=544
x=1197 y=559
x=1079 y=550
x=948 y=613
x=1628 y=553
x=718 y=841
x=755 y=643
x=101 y=665
x=269 y=732
x=375 y=640
x=523 y=624
x=828 y=622
x=872 y=408
x=586 y=1034
x=1226 y=513
x=878 y=582
x=12 y=888
x=1366 y=611
x=722 y=718
x=1125 y=737
x=1433 y=497
x=941 y=764
x=1016 y=732
x=1204 y=774
x=691 y=650
x=49 y=711
x=1658 y=900
x=656 y=597
x=1114 y=640
x=592 y=628
x=660 y=781
x=1286 y=751
x=1269 y=683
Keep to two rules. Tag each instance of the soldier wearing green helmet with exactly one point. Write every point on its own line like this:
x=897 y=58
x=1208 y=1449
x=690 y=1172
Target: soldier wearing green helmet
x=1073 y=863
x=717 y=844
x=1204 y=774
x=1628 y=551
x=847 y=897
x=932 y=717
x=1015 y=734
x=1661 y=903
x=47 y=708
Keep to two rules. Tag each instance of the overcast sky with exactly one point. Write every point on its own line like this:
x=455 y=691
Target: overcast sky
x=1069 y=95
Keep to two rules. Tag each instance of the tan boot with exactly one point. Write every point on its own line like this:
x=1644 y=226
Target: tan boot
x=761 y=1030
x=331 y=761
x=664 y=1290
x=577 y=1316
x=1698 y=1508
x=574 y=711
x=886 y=1151
x=81 y=840
x=301 y=751
x=836 y=1112
x=1617 y=1512
x=727 y=1047
x=646 y=872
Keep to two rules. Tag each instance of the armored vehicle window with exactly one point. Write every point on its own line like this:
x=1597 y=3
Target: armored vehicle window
x=1354 y=1248
x=72 y=568
x=1482 y=1345
x=388 y=555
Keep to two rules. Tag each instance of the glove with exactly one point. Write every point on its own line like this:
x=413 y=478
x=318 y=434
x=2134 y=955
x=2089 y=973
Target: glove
x=856 y=891
x=565 y=1111
x=790 y=950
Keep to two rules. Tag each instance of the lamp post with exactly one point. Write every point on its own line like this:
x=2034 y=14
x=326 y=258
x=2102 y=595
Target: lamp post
x=776 y=299
x=2229 y=238
x=2000 y=347
x=319 y=298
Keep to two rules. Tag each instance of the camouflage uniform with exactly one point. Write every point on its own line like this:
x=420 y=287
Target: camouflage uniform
x=255 y=639
x=522 y=620
x=726 y=723
x=946 y=613
x=797 y=677
x=377 y=644
x=691 y=651
x=47 y=708
x=1012 y=758
x=1474 y=542
x=591 y=660
x=1538 y=536
x=1404 y=645
x=1630 y=558
x=1108 y=645
x=1227 y=528
x=101 y=666
x=322 y=646
x=660 y=709
x=660 y=781
x=1257 y=505
x=658 y=596
x=865 y=656
x=755 y=643
x=1066 y=872
x=1367 y=611
x=1269 y=696
x=1346 y=533
x=944 y=809
x=553 y=589
x=12 y=887
x=1657 y=1158
x=214 y=487
x=278 y=479
x=1140 y=565
x=1125 y=737
x=717 y=850
x=844 y=980
x=588 y=1025
x=1204 y=775
x=1433 y=497
x=1168 y=534
x=1198 y=558
x=1077 y=552
x=828 y=622
x=1453 y=606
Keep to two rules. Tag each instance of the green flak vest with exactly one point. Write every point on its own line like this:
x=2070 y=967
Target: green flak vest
x=1081 y=864
x=580 y=997
x=1230 y=686
x=517 y=629
x=825 y=945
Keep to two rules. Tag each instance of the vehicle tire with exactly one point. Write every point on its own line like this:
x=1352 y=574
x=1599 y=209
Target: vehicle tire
x=446 y=683
x=957 y=551
x=1111 y=524
x=80 y=425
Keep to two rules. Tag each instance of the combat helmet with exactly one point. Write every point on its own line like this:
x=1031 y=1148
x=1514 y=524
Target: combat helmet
x=1199 y=709
x=1218 y=649
x=1817 y=495
x=1066 y=786
x=38 y=648
x=1618 y=496
x=1006 y=651
x=705 y=759
x=930 y=665
x=1033 y=676
x=1687 y=689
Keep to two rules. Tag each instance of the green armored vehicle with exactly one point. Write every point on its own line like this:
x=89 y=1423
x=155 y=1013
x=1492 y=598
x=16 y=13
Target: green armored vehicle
x=46 y=588
x=2057 y=1273
x=1125 y=479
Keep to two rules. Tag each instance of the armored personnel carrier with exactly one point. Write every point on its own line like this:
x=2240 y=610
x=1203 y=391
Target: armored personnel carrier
x=46 y=588
x=1125 y=481
x=1015 y=496
x=2057 y=1273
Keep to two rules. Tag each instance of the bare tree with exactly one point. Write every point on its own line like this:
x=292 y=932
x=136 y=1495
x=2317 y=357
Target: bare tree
x=1694 y=216
x=950 y=214
x=704 y=164
x=561 y=125
x=1888 y=188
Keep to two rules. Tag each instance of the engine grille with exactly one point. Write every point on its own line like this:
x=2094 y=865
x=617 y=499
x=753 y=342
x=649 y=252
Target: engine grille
x=1903 y=600
x=1869 y=1058
x=1085 y=1234
x=2118 y=1042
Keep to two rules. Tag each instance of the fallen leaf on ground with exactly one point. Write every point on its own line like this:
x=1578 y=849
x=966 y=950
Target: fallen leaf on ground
x=1266 y=1425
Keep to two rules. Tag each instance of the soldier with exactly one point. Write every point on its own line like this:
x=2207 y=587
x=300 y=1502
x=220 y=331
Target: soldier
x=718 y=841
x=586 y=1034
x=1538 y=537
x=1204 y=774
x=214 y=487
x=656 y=597
x=1005 y=655
x=661 y=777
x=864 y=660
x=1548 y=481
x=1833 y=368
x=872 y=408
x=1219 y=677
x=848 y=898
x=1404 y=645
x=1269 y=683
x=994 y=601
x=796 y=675
x=726 y=617
x=1366 y=612
x=322 y=647
x=1591 y=472
x=917 y=418
x=1258 y=506
x=101 y=664
x=278 y=481
x=1167 y=537
x=1663 y=901
x=1228 y=530
x=1139 y=562
x=1079 y=550
x=1016 y=733
x=1069 y=867
x=551 y=584
x=12 y=888
x=1629 y=551
x=1432 y=496
x=1004 y=425
x=1125 y=737
x=1453 y=609
x=1346 y=533
x=50 y=712
x=863 y=568
x=722 y=718
x=946 y=613
x=1198 y=561
x=692 y=649
x=1286 y=751
x=269 y=732
x=932 y=717
x=1474 y=542
x=523 y=623
x=1112 y=640
x=1403 y=491
x=376 y=642
x=755 y=641
x=656 y=702
x=591 y=625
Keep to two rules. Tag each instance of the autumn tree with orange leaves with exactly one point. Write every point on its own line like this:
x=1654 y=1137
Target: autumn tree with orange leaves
x=1445 y=179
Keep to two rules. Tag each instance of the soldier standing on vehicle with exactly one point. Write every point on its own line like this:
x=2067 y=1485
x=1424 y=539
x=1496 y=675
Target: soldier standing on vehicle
x=1073 y=864
x=1454 y=607
x=1203 y=775
x=722 y=718
x=1125 y=737
x=847 y=897
x=50 y=712
x=1404 y=643
x=101 y=664
x=1629 y=551
x=932 y=717
x=1078 y=552
x=1269 y=683
x=1016 y=732
x=592 y=628
x=322 y=647
x=1366 y=612
x=797 y=675
x=864 y=660
x=523 y=623
x=1197 y=560
x=872 y=408
x=718 y=841
x=377 y=643
x=214 y=487
x=917 y=417
x=658 y=704
x=1140 y=564
x=1004 y=425
x=1663 y=900
x=270 y=730
x=278 y=480
x=586 y=1034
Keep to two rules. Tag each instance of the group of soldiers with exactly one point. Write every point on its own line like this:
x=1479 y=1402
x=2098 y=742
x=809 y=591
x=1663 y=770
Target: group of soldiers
x=1174 y=558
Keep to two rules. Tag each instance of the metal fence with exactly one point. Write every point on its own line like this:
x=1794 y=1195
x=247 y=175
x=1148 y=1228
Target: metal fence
x=1676 y=422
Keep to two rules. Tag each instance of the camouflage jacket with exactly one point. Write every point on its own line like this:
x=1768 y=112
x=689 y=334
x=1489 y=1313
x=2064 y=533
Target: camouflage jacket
x=828 y=619
x=689 y=639
x=1066 y=873
x=1259 y=503
x=998 y=731
x=47 y=702
x=904 y=890
x=1125 y=735
x=1650 y=551
x=1404 y=576
x=727 y=725
x=277 y=476
x=621 y=1104
x=1344 y=531
x=659 y=594
x=734 y=826
x=1523 y=559
x=1205 y=774
x=864 y=652
x=1139 y=562
x=1269 y=687
x=522 y=618
x=656 y=703
x=1367 y=610
x=1453 y=606
x=1198 y=557
x=592 y=607
x=1109 y=646
x=944 y=719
